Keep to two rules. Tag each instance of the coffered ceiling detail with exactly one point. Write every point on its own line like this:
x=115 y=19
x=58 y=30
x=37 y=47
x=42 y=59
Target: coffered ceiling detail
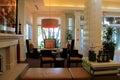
x=67 y=5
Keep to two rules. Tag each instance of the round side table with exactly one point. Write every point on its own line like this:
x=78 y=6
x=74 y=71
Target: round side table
x=59 y=62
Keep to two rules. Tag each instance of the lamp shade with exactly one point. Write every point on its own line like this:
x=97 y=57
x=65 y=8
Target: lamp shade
x=49 y=23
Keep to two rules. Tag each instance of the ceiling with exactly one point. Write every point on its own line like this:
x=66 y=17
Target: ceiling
x=67 y=5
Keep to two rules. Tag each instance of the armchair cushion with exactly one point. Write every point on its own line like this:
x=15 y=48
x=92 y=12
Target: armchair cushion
x=75 y=58
x=47 y=59
x=31 y=46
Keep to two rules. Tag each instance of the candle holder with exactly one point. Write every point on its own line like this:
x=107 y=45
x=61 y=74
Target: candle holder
x=19 y=28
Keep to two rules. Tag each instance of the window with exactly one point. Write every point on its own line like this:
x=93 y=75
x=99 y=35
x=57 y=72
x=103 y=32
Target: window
x=48 y=33
x=28 y=31
x=70 y=23
x=70 y=27
x=82 y=43
x=113 y=21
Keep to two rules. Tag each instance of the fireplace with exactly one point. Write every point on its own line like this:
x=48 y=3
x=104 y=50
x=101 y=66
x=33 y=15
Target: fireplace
x=8 y=51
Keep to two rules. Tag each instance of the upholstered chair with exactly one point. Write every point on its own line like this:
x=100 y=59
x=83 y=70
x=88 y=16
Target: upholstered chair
x=46 y=57
x=32 y=52
x=74 y=57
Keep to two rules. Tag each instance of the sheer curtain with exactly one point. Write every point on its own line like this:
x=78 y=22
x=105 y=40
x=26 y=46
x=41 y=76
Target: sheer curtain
x=28 y=31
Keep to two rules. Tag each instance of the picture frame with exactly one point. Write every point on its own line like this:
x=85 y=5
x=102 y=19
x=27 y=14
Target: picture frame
x=49 y=43
x=8 y=16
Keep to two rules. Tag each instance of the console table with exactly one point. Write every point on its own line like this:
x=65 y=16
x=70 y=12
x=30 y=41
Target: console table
x=103 y=68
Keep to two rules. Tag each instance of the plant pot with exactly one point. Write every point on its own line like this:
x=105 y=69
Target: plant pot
x=110 y=51
x=92 y=56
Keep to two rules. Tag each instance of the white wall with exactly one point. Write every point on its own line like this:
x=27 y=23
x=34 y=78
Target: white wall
x=28 y=16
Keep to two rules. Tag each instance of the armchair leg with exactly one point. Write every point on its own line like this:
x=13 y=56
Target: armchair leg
x=50 y=64
x=68 y=64
x=76 y=64
x=41 y=65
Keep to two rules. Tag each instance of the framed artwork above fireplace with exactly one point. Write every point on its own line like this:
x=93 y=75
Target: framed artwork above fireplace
x=8 y=16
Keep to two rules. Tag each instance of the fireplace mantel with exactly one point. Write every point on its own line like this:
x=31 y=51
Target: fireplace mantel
x=8 y=39
x=9 y=36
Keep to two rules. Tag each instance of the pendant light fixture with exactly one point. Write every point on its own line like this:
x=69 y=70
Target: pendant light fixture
x=49 y=22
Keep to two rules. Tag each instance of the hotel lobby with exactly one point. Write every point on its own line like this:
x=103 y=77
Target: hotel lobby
x=80 y=21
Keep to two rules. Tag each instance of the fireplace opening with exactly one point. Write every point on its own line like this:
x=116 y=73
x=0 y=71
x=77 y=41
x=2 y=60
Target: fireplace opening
x=1 y=64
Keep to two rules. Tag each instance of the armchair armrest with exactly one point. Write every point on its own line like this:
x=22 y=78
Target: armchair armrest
x=54 y=56
x=68 y=56
x=40 y=55
x=80 y=55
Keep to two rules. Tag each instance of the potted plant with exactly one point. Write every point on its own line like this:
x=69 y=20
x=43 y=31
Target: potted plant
x=92 y=54
x=69 y=35
x=108 y=42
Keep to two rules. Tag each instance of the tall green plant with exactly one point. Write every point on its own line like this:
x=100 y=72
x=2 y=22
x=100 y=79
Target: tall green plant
x=69 y=35
x=108 y=36
x=108 y=42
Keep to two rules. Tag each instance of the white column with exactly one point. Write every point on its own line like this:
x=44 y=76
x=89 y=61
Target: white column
x=21 y=18
x=35 y=31
x=93 y=16
x=77 y=31
x=63 y=31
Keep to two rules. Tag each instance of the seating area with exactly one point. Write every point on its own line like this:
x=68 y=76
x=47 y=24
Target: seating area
x=67 y=63
x=54 y=58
